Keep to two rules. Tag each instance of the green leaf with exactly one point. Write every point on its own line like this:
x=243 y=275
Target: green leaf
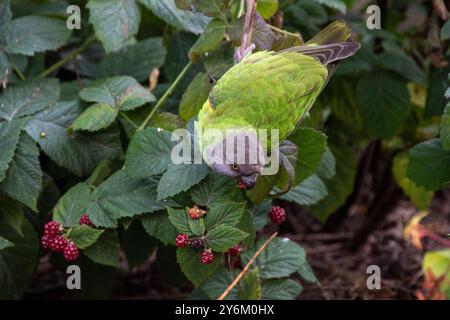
x=23 y=180
x=250 y=286
x=219 y=282
x=445 y=31
x=247 y=224
x=403 y=65
x=13 y=214
x=213 y=8
x=341 y=185
x=226 y=213
x=84 y=236
x=9 y=138
x=185 y=20
x=209 y=40
x=135 y=60
x=280 y=258
x=311 y=146
x=438 y=263
x=180 y=178
x=262 y=36
x=306 y=272
x=197 y=226
x=445 y=128
x=121 y=93
x=429 y=165
x=195 y=96
x=193 y=269
x=334 y=4
x=157 y=225
x=418 y=195
x=32 y=34
x=77 y=152
x=96 y=117
x=22 y=256
x=223 y=237
x=180 y=220
x=105 y=250
x=115 y=21
x=308 y=192
x=72 y=205
x=219 y=61
x=28 y=97
x=4 y=67
x=280 y=289
x=260 y=213
x=384 y=102
x=121 y=196
x=215 y=188
x=5 y=244
x=267 y=8
x=437 y=87
x=327 y=167
x=5 y=18
x=148 y=153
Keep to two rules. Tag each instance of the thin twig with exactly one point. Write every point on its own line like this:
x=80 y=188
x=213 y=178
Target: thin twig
x=161 y=101
x=69 y=57
x=285 y=32
x=123 y=114
x=244 y=271
x=247 y=31
x=19 y=73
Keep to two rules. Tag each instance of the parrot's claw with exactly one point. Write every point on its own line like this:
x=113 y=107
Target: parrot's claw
x=241 y=53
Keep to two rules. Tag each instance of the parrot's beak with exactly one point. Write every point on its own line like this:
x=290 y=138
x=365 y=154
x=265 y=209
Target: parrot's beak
x=248 y=181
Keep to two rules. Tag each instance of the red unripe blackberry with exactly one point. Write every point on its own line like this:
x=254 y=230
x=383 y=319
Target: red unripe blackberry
x=52 y=229
x=182 y=240
x=207 y=256
x=241 y=185
x=70 y=252
x=58 y=244
x=196 y=213
x=235 y=250
x=277 y=215
x=46 y=241
x=84 y=219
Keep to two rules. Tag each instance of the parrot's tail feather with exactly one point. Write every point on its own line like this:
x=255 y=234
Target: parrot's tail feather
x=328 y=54
x=335 y=32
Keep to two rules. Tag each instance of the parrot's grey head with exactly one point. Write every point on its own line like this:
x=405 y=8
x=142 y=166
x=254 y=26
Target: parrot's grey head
x=239 y=155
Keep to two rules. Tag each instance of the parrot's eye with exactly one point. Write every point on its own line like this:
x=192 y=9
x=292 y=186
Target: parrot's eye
x=234 y=166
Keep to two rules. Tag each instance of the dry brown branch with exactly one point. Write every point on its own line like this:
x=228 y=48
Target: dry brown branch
x=244 y=271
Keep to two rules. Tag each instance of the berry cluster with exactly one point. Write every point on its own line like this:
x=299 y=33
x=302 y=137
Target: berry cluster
x=277 y=215
x=55 y=241
x=182 y=240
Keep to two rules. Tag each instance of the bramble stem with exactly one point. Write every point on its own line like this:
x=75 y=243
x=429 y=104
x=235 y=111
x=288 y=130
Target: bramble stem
x=166 y=94
x=19 y=73
x=283 y=31
x=69 y=57
x=244 y=271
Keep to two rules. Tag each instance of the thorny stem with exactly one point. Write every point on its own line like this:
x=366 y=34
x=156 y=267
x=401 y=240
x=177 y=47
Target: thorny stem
x=248 y=29
x=69 y=57
x=247 y=266
x=166 y=94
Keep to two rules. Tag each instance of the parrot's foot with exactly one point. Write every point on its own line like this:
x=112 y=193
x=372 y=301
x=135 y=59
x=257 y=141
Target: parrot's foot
x=241 y=53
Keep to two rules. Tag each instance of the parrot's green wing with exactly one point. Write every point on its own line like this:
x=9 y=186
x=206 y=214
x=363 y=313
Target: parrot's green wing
x=267 y=91
x=274 y=90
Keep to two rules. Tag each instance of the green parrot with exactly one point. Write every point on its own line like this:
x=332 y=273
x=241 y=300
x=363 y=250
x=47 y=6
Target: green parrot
x=266 y=90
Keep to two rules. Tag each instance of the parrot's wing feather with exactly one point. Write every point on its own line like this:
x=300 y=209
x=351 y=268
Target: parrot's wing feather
x=329 y=53
x=336 y=32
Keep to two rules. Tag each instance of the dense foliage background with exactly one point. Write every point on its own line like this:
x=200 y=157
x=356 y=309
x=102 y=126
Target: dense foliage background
x=85 y=121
